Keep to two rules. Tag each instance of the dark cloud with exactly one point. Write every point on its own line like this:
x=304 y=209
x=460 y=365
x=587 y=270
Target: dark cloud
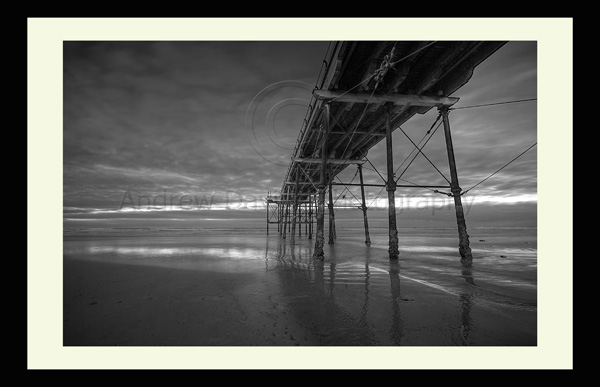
x=485 y=138
x=148 y=116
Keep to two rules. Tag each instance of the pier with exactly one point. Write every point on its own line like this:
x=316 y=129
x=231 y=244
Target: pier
x=365 y=92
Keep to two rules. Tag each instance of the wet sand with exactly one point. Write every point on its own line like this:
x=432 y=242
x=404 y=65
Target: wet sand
x=223 y=289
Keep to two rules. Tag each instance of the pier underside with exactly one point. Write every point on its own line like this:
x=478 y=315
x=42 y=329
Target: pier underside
x=367 y=90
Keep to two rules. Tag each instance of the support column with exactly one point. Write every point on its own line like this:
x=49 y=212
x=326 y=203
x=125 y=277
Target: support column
x=320 y=239
x=310 y=216
x=391 y=188
x=332 y=234
x=267 y=217
x=279 y=216
x=306 y=218
x=364 y=205
x=300 y=220
x=285 y=212
x=464 y=249
x=295 y=209
x=289 y=216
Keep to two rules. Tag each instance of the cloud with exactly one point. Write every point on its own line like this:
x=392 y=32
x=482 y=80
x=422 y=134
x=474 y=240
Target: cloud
x=147 y=116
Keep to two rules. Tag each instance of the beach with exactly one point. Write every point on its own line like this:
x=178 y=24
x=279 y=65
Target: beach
x=157 y=170
x=241 y=287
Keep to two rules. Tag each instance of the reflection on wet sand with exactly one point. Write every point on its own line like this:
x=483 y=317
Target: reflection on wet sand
x=331 y=279
x=465 y=303
x=338 y=308
x=365 y=305
x=396 y=328
x=355 y=297
x=217 y=292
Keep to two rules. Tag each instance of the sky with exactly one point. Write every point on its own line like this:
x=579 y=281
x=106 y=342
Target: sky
x=211 y=125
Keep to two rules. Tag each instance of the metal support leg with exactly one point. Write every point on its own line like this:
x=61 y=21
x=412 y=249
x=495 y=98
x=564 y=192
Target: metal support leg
x=310 y=216
x=391 y=188
x=332 y=234
x=295 y=209
x=320 y=239
x=285 y=213
x=464 y=249
x=364 y=205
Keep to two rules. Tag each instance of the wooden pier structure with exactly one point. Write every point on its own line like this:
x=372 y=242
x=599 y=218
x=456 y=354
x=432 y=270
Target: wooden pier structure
x=372 y=87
